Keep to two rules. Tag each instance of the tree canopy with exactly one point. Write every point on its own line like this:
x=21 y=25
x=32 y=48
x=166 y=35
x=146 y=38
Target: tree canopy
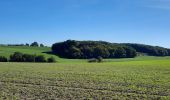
x=150 y=50
x=92 y=49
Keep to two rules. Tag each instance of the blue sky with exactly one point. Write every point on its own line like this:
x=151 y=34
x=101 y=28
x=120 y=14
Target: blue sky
x=120 y=21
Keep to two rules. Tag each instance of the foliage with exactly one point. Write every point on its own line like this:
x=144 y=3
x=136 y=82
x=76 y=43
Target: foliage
x=40 y=58
x=92 y=60
x=3 y=59
x=20 y=57
x=99 y=59
x=92 y=49
x=35 y=44
x=27 y=44
x=150 y=50
x=17 y=57
x=28 y=58
x=51 y=60
x=41 y=45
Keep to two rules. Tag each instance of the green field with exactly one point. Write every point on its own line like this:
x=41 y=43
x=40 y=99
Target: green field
x=123 y=79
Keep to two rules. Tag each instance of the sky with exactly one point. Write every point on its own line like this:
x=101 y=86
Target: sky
x=117 y=21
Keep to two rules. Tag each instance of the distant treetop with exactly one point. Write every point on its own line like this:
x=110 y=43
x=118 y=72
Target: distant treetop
x=35 y=44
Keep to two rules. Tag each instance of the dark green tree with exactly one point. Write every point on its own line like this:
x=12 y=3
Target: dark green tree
x=51 y=60
x=28 y=58
x=16 y=57
x=120 y=53
x=27 y=44
x=3 y=59
x=41 y=45
x=40 y=58
x=35 y=44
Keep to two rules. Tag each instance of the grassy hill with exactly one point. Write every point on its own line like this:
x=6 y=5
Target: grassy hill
x=8 y=50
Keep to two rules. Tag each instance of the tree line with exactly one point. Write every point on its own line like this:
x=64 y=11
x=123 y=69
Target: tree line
x=20 y=57
x=150 y=50
x=92 y=49
x=34 y=44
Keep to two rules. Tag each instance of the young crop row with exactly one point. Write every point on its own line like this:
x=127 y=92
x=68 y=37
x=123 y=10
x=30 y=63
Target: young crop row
x=121 y=80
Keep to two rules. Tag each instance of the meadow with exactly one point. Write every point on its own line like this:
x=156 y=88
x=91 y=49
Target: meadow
x=123 y=79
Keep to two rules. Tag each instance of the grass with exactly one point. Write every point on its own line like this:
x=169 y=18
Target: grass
x=111 y=80
x=124 y=79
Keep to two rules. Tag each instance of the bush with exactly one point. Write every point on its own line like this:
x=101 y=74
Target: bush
x=99 y=59
x=3 y=59
x=51 y=60
x=92 y=60
x=40 y=58
x=28 y=58
x=17 y=57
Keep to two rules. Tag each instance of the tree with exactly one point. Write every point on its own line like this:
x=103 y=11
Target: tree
x=28 y=58
x=40 y=58
x=130 y=52
x=92 y=49
x=27 y=44
x=35 y=44
x=149 y=50
x=87 y=52
x=168 y=52
x=101 y=51
x=3 y=59
x=16 y=57
x=41 y=45
x=51 y=60
x=112 y=52
x=120 y=53
x=74 y=52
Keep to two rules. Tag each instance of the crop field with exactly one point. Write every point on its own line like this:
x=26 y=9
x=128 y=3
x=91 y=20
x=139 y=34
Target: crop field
x=144 y=79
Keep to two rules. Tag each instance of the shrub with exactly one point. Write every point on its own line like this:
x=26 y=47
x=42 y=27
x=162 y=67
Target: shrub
x=92 y=60
x=3 y=59
x=16 y=57
x=40 y=58
x=19 y=57
x=99 y=59
x=28 y=58
x=51 y=60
